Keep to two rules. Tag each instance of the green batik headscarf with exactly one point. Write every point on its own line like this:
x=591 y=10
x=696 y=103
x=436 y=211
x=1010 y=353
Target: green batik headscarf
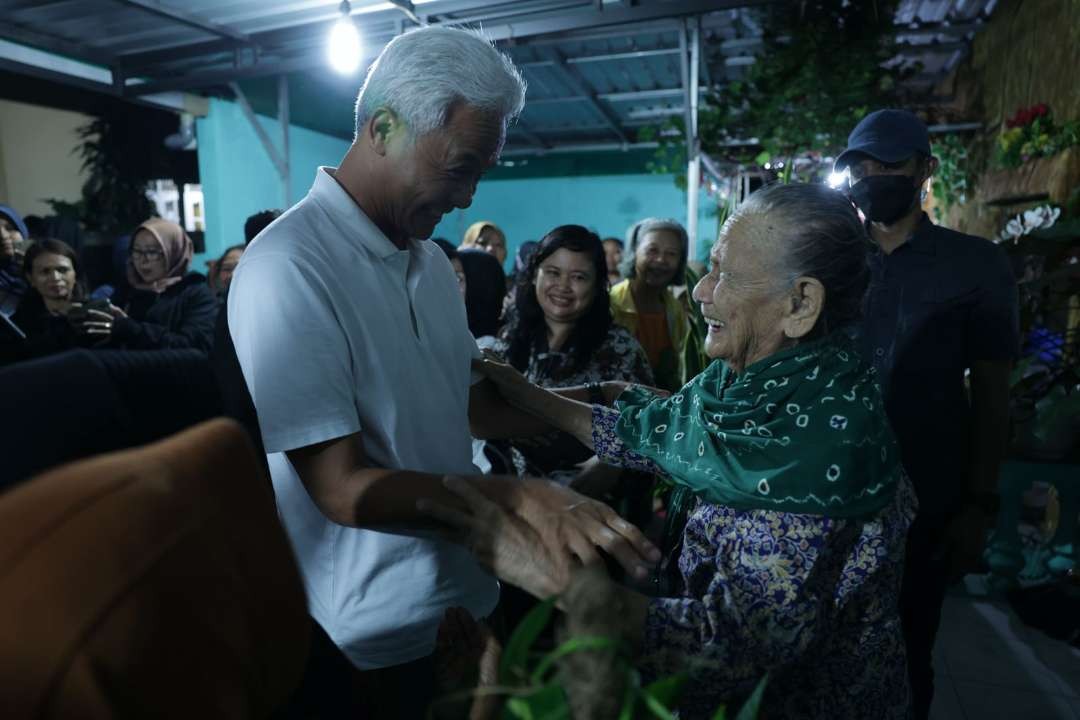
x=801 y=431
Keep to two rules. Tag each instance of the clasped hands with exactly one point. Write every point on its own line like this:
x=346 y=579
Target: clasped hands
x=537 y=537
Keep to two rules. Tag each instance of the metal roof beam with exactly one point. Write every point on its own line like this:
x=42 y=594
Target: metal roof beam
x=226 y=75
x=528 y=24
x=629 y=55
x=589 y=17
x=53 y=44
x=634 y=95
x=373 y=26
x=529 y=134
x=579 y=86
x=604 y=57
x=185 y=18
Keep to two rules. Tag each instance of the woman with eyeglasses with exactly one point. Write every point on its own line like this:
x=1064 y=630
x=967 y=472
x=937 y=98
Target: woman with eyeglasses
x=162 y=305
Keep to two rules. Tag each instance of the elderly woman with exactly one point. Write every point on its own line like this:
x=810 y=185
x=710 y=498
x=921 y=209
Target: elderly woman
x=655 y=260
x=790 y=560
x=560 y=334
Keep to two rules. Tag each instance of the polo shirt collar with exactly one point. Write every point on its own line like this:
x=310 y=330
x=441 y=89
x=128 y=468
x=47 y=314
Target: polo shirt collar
x=350 y=219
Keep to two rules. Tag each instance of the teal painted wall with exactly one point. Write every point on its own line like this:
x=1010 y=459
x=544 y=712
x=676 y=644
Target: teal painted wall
x=238 y=178
x=526 y=209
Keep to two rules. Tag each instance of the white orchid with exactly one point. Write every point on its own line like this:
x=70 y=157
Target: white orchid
x=1038 y=218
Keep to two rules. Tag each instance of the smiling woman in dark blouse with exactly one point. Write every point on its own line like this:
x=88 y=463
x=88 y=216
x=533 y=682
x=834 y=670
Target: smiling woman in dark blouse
x=560 y=333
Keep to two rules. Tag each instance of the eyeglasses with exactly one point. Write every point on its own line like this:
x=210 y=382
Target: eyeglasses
x=147 y=254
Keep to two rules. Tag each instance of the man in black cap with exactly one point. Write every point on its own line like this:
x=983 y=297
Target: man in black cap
x=942 y=307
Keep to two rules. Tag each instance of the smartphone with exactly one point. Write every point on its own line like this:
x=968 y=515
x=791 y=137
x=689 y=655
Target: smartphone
x=79 y=311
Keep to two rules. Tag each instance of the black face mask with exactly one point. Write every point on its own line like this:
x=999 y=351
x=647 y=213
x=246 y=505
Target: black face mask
x=884 y=198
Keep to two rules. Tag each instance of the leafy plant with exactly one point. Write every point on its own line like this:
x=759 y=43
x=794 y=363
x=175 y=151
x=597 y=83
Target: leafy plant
x=1032 y=133
x=122 y=151
x=825 y=64
x=529 y=682
x=954 y=180
x=1045 y=392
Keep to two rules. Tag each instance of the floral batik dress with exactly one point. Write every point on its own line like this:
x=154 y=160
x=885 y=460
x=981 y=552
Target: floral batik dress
x=808 y=599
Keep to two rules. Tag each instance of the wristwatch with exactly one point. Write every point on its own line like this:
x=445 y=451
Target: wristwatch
x=596 y=394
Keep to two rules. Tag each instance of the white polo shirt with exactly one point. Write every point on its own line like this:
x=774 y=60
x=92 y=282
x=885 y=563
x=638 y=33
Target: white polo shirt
x=338 y=331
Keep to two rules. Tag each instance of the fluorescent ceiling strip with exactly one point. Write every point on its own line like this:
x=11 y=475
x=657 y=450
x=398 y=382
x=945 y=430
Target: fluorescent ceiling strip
x=55 y=63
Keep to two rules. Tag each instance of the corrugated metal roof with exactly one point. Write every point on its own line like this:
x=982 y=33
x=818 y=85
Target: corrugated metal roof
x=597 y=70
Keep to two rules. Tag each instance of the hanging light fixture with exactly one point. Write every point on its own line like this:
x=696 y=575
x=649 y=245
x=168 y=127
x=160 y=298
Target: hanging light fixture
x=343 y=48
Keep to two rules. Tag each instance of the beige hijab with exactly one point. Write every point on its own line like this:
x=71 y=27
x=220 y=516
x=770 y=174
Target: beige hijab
x=474 y=231
x=178 y=250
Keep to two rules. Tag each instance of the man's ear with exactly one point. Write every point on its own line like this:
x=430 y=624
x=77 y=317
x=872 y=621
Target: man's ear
x=931 y=166
x=383 y=125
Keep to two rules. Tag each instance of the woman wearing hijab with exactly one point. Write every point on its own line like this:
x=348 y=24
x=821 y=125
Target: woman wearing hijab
x=486 y=236
x=163 y=305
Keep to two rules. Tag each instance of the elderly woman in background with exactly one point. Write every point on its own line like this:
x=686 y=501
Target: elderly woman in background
x=791 y=558
x=488 y=237
x=655 y=259
x=560 y=334
x=163 y=305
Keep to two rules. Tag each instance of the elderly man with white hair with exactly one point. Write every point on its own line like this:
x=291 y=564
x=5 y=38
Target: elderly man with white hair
x=352 y=338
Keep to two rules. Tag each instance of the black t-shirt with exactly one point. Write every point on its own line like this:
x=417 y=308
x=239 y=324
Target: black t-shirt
x=938 y=304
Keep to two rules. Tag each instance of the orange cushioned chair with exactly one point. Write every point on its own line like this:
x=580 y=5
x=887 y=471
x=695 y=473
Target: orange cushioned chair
x=154 y=582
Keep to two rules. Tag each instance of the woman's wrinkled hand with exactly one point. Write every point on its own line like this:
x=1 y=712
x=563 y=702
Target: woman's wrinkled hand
x=568 y=520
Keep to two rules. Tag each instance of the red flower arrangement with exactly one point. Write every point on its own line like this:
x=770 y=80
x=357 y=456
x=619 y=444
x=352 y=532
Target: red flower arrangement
x=1026 y=116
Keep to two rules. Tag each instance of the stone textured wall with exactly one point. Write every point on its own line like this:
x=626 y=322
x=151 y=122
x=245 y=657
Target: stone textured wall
x=1028 y=53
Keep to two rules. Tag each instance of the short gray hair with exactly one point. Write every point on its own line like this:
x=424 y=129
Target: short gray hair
x=420 y=74
x=640 y=229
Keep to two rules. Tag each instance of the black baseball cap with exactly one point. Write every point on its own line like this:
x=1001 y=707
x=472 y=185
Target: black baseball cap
x=890 y=136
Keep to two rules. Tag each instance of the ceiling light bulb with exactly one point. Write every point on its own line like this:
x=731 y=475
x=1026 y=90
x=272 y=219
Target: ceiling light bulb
x=343 y=50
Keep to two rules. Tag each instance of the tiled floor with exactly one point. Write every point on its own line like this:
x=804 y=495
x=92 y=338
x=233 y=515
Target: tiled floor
x=989 y=665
